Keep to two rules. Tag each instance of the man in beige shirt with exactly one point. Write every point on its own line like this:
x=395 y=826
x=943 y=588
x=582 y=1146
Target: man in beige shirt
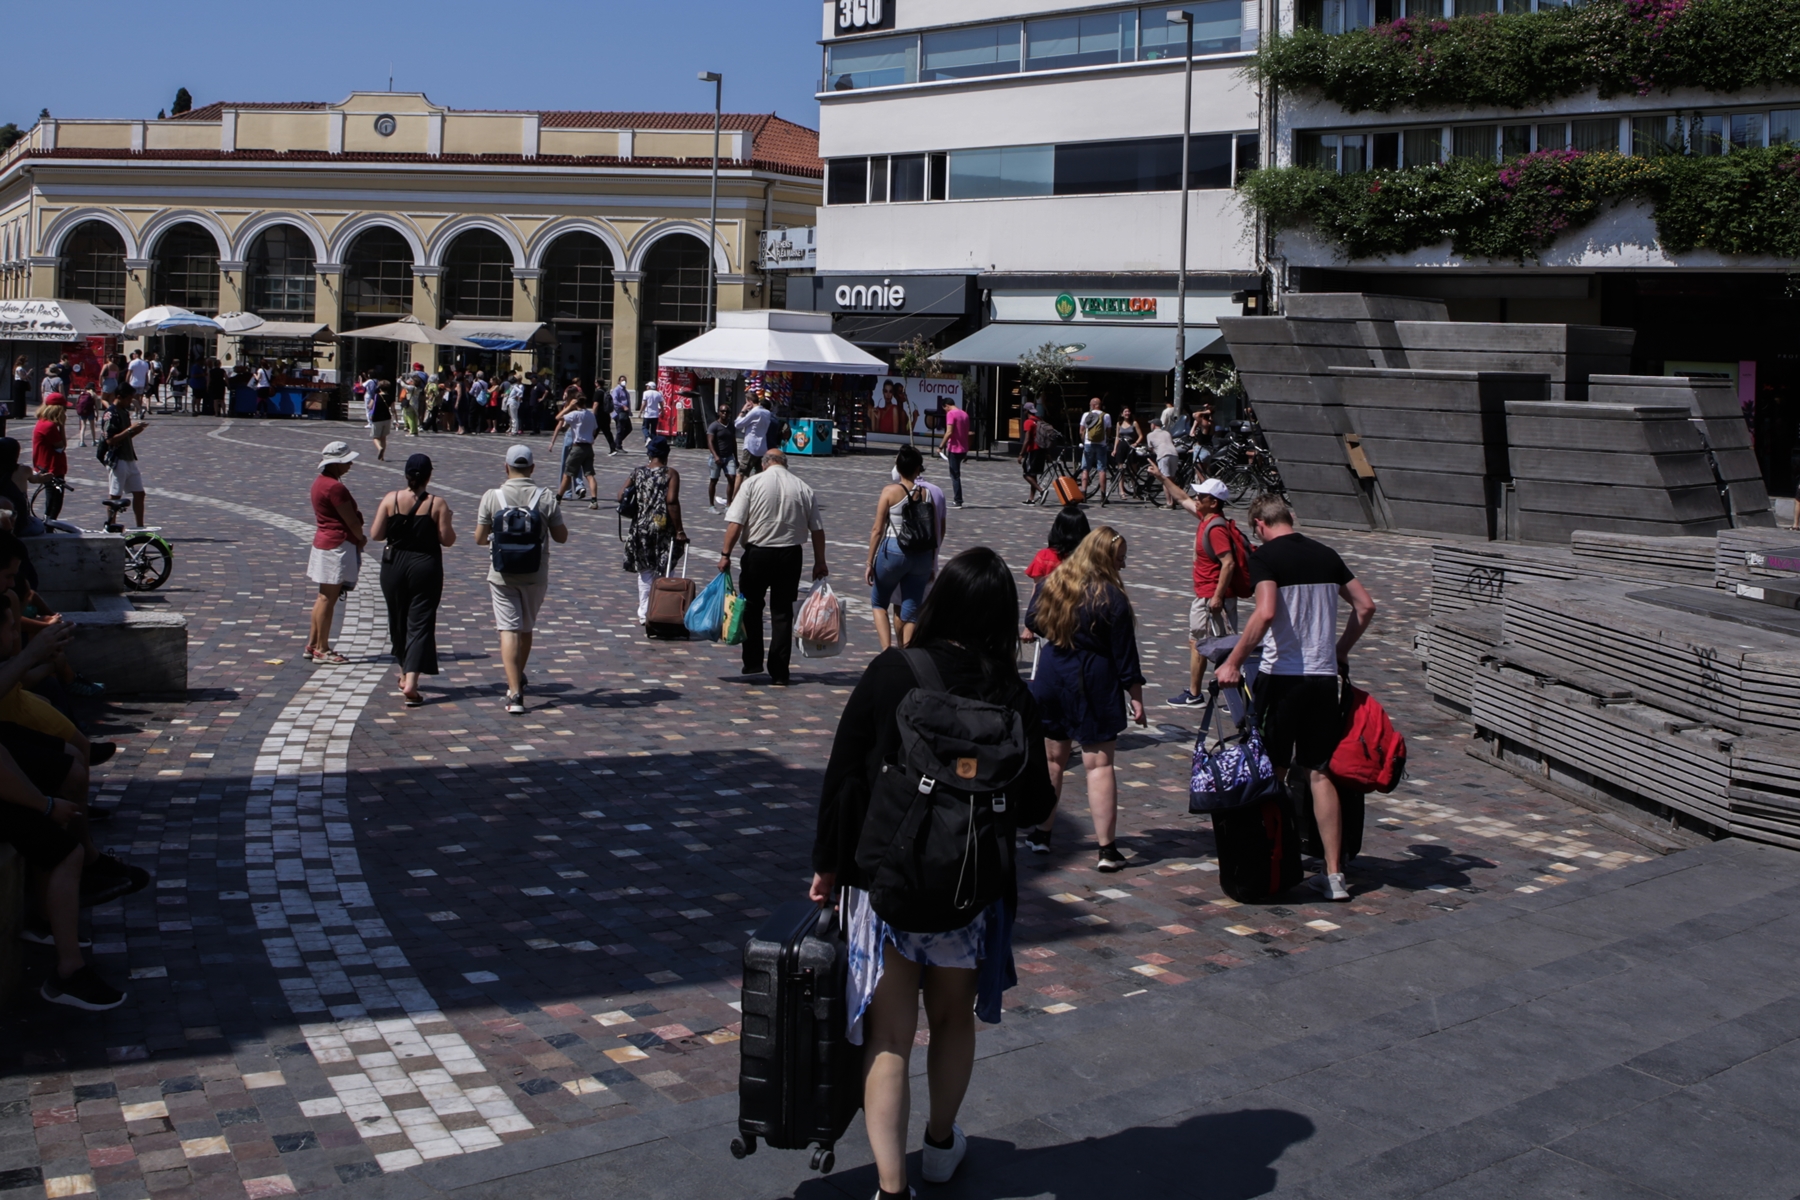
x=773 y=513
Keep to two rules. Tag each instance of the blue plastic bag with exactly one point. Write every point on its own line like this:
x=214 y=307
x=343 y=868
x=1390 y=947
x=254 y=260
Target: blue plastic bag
x=706 y=615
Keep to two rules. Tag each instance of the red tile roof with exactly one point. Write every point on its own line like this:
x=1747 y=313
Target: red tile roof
x=815 y=171
x=215 y=110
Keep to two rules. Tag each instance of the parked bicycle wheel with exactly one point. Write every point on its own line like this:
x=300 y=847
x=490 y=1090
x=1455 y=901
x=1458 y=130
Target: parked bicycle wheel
x=148 y=561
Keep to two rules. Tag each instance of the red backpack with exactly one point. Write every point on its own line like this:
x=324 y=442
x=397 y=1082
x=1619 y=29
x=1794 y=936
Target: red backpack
x=1372 y=754
x=1238 y=586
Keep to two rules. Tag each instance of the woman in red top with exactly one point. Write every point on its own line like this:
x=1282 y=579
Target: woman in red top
x=337 y=548
x=49 y=454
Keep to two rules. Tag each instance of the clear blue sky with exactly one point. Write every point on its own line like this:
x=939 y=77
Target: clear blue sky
x=106 y=58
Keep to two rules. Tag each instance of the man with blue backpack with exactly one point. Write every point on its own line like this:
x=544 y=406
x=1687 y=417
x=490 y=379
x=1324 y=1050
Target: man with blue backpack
x=517 y=521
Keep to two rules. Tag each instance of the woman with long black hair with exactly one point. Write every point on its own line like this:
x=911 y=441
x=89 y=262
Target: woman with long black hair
x=969 y=626
x=416 y=526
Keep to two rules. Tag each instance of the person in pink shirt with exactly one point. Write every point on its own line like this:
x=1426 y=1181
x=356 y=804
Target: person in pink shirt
x=956 y=447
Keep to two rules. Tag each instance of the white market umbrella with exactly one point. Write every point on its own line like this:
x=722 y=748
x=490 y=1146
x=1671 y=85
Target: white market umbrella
x=168 y=319
x=412 y=330
x=54 y=321
x=239 y=322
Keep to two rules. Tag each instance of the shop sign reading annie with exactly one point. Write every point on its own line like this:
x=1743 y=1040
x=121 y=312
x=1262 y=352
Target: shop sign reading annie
x=884 y=295
x=1068 y=307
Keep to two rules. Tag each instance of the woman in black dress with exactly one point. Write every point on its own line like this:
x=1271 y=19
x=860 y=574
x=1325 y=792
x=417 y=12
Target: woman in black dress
x=416 y=526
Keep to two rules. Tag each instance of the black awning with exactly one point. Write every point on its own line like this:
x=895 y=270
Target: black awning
x=889 y=329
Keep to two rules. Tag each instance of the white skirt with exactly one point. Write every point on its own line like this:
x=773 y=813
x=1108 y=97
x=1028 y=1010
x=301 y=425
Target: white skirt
x=338 y=566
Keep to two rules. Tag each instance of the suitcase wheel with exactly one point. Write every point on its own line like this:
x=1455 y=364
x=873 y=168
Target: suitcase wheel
x=743 y=1146
x=823 y=1160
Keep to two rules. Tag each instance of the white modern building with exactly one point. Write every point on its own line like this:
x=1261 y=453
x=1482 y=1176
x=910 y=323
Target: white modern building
x=1015 y=167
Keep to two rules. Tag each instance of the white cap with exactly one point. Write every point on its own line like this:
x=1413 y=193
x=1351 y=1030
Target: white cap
x=1213 y=488
x=519 y=455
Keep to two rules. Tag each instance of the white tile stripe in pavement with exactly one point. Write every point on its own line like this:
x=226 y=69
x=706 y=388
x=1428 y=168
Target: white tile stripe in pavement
x=300 y=849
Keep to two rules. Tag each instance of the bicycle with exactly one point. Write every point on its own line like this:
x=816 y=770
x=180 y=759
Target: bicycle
x=1244 y=464
x=149 y=557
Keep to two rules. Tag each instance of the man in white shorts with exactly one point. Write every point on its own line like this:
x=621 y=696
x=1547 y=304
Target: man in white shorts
x=122 y=475
x=518 y=594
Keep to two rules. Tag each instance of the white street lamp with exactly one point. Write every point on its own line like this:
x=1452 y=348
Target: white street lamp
x=1181 y=16
x=712 y=220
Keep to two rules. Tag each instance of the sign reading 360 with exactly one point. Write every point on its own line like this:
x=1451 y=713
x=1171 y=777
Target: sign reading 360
x=859 y=16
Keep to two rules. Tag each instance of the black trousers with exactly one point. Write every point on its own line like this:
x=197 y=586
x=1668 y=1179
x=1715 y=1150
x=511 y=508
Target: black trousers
x=413 y=585
x=774 y=571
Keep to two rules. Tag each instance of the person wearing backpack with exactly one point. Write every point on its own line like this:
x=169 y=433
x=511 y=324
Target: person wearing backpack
x=940 y=743
x=902 y=547
x=1221 y=575
x=1085 y=670
x=517 y=521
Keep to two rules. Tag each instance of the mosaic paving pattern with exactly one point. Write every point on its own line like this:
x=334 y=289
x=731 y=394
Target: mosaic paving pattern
x=381 y=935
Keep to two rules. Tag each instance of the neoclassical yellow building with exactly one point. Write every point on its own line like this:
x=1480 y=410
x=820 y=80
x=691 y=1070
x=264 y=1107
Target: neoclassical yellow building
x=384 y=205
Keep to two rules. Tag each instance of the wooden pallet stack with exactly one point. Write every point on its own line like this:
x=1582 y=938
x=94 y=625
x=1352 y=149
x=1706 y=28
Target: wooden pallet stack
x=1717 y=417
x=1622 y=690
x=1467 y=575
x=1738 y=551
x=1568 y=354
x=1437 y=441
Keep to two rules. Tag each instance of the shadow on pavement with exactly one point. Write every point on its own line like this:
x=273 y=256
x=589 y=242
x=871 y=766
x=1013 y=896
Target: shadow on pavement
x=1218 y=1156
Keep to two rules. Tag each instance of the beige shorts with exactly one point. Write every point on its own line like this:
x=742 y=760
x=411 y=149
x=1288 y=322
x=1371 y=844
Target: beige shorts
x=1197 y=612
x=516 y=605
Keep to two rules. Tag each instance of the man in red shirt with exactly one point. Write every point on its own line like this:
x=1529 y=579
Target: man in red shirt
x=956 y=447
x=1221 y=575
x=1031 y=459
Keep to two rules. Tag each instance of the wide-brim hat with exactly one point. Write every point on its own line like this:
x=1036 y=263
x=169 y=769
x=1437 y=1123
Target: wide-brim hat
x=336 y=454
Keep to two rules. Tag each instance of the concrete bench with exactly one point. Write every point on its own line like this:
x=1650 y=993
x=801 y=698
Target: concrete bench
x=86 y=562
x=129 y=650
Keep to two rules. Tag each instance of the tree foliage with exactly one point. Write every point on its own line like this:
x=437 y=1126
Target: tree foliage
x=183 y=102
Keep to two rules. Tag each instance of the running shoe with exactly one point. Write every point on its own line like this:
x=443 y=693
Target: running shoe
x=1110 y=860
x=1332 y=886
x=1185 y=700
x=515 y=703
x=84 y=989
x=1037 y=841
x=939 y=1164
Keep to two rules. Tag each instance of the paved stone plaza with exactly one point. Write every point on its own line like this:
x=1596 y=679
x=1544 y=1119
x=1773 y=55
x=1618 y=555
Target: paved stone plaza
x=382 y=936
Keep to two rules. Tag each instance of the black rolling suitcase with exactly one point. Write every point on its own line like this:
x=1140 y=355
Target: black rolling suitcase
x=1259 y=851
x=799 y=1078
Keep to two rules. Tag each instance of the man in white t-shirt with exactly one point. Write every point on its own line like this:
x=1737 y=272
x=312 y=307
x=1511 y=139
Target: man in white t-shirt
x=518 y=596
x=137 y=376
x=653 y=407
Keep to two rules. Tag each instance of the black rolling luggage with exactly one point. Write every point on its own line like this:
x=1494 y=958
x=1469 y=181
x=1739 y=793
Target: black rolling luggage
x=799 y=1078
x=1259 y=851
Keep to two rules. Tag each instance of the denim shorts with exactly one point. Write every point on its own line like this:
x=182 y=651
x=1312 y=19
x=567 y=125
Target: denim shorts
x=910 y=574
x=1093 y=456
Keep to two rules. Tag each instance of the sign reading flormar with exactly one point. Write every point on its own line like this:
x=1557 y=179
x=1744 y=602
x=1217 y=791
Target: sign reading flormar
x=1115 y=307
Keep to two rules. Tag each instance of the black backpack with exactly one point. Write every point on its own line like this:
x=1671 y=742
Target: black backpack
x=937 y=841
x=918 y=523
x=517 y=540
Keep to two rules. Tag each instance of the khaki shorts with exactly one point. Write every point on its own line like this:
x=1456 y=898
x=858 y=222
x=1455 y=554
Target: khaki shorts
x=123 y=477
x=1197 y=612
x=516 y=605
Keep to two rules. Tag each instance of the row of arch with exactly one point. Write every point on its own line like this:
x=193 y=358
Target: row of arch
x=425 y=252
x=475 y=271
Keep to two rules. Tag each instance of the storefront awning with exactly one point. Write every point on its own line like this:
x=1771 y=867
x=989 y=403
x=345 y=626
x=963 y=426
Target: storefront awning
x=500 y=335
x=888 y=329
x=1090 y=347
x=54 y=321
x=302 y=331
x=773 y=340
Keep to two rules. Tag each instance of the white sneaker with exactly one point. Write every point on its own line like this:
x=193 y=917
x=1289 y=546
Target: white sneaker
x=1332 y=886
x=940 y=1165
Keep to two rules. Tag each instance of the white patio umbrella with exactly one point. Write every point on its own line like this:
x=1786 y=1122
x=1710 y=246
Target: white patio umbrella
x=239 y=322
x=168 y=319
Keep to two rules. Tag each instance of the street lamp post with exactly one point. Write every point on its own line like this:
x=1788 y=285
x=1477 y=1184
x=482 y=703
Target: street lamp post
x=1181 y=16
x=712 y=220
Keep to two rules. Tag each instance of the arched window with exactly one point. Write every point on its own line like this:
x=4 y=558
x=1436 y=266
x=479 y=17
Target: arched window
x=185 y=270
x=93 y=267
x=478 y=278
x=378 y=277
x=675 y=281
x=578 y=279
x=282 y=274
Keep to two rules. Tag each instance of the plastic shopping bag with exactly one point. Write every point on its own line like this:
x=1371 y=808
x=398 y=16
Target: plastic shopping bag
x=821 y=618
x=734 y=619
x=706 y=615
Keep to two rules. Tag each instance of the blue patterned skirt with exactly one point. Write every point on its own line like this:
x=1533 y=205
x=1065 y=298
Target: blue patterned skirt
x=983 y=945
